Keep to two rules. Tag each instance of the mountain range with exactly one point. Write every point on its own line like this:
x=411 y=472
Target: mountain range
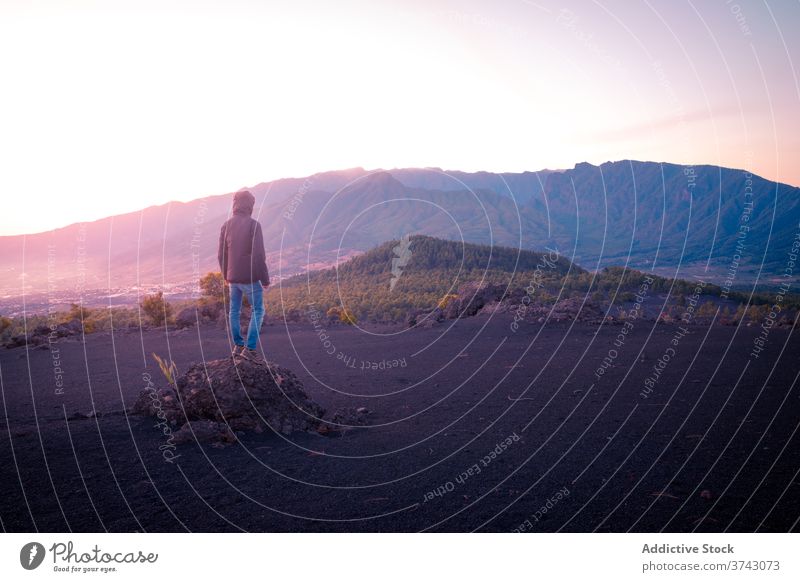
x=676 y=220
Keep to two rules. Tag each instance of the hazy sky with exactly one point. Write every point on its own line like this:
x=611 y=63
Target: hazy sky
x=108 y=107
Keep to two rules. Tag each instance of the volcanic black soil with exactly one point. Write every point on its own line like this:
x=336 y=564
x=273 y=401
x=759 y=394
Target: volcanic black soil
x=471 y=426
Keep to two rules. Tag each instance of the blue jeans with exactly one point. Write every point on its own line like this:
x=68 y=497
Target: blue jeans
x=255 y=295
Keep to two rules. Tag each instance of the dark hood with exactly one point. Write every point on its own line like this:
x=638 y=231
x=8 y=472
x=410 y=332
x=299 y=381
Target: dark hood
x=243 y=203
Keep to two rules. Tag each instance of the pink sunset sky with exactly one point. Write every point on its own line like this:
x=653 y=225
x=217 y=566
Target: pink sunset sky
x=109 y=107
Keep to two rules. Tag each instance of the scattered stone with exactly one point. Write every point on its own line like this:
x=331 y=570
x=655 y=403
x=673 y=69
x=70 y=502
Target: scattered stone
x=186 y=317
x=16 y=341
x=211 y=310
x=411 y=317
x=575 y=309
x=496 y=307
x=424 y=318
x=43 y=335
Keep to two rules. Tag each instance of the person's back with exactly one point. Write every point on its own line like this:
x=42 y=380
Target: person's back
x=241 y=244
x=242 y=261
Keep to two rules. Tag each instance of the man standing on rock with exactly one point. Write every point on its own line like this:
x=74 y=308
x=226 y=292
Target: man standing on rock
x=243 y=263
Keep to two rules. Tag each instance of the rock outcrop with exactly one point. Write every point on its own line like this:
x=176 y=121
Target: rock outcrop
x=476 y=298
x=216 y=399
x=44 y=334
x=472 y=297
x=575 y=308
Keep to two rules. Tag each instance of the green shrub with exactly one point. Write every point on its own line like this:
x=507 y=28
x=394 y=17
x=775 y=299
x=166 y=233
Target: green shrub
x=157 y=309
x=213 y=286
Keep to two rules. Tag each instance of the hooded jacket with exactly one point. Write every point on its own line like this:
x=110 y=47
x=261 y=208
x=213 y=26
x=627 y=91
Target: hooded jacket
x=241 y=254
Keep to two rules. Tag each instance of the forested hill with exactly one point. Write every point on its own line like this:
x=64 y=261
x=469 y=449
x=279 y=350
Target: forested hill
x=416 y=272
x=426 y=254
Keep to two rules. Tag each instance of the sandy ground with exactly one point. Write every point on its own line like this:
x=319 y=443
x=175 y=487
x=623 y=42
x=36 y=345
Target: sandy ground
x=473 y=426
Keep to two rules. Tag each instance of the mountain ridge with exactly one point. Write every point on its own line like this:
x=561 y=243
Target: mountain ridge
x=657 y=218
x=297 y=182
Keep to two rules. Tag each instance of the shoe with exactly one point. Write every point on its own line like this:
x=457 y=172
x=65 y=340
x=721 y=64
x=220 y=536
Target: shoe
x=237 y=351
x=252 y=355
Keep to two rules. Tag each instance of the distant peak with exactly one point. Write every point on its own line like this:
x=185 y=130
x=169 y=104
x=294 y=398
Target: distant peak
x=382 y=179
x=381 y=176
x=380 y=182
